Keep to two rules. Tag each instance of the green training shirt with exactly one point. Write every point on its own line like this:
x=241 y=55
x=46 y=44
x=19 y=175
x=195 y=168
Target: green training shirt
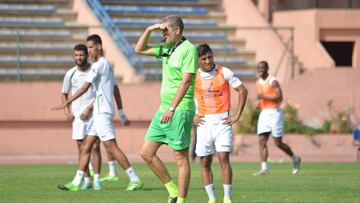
x=183 y=59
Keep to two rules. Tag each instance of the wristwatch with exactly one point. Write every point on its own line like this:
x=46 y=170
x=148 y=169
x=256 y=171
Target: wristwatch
x=171 y=109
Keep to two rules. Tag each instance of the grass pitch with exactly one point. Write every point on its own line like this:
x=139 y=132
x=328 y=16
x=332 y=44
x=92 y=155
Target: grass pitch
x=335 y=182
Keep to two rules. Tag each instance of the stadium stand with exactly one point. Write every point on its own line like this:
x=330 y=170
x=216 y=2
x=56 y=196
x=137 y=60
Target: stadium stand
x=36 y=38
x=204 y=22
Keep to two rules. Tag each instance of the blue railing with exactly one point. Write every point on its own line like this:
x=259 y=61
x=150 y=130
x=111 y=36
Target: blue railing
x=114 y=31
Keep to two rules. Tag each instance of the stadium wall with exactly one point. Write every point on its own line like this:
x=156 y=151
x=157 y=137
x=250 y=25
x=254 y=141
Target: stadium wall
x=314 y=25
x=312 y=91
x=264 y=42
x=31 y=133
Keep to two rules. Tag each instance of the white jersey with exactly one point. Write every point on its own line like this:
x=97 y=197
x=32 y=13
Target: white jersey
x=73 y=80
x=102 y=77
x=229 y=76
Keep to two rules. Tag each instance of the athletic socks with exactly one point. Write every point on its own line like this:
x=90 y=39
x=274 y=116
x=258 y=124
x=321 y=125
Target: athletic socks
x=172 y=188
x=210 y=191
x=87 y=180
x=132 y=174
x=264 y=166
x=90 y=166
x=96 y=177
x=181 y=200
x=295 y=158
x=112 y=168
x=227 y=191
x=78 y=177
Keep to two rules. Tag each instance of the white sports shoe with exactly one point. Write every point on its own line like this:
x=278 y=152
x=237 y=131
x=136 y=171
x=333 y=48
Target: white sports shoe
x=261 y=172
x=296 y=165
x=86 y=186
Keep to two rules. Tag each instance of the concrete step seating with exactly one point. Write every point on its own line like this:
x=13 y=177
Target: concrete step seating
x=31 y=21
x=157 y=9
x=6 y=8
x=35 y=33
x=142 y=22
x=37 y=38
x=36 y=46
x=189 y=35
x=204 y=22
x=34 y=49
x=30 y=60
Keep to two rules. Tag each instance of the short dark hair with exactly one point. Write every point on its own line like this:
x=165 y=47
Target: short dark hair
x=264 y=63
x=203 y=49
x=175 y=21
x=81 y=47
x=94 y=38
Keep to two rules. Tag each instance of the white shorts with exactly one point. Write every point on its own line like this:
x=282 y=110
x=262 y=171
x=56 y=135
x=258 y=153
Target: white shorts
x=213 y=136
x=104 y=126
x=82 y=128
x=271 y=121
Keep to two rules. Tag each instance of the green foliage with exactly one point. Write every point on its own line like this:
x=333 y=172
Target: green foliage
x=326 y=126
x=293 y=125
x=339 y=121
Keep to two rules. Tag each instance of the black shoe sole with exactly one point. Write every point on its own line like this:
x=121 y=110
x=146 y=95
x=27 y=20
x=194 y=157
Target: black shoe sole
x=173 y=200
x=62 y=187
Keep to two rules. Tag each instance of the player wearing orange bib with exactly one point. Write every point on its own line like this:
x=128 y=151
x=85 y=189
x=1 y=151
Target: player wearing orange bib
x=271 y=119
x=214 y=132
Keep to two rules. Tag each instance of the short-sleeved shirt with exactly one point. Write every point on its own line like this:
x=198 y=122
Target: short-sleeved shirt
x=212 y=89
x=73 y=80
x=184 y=59
x=102 y=77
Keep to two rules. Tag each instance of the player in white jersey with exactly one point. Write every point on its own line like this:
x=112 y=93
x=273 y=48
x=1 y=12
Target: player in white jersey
x=213 y=118
x=103 y=79
x=81 y=110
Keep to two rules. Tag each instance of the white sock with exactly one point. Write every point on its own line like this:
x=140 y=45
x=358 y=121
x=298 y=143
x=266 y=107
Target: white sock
x=96 y=177
x=112 y=168
x=210 y=190
x=227 y=190
x=87 y=180
x=78 y=177
x=264 y=166
x=132 y=174
x=295 y=158
x=90 y=166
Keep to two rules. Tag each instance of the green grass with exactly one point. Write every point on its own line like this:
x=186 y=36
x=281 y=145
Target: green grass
x=318 y=183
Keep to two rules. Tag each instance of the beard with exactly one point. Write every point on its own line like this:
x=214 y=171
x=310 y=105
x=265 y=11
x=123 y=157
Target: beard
x=81 y=63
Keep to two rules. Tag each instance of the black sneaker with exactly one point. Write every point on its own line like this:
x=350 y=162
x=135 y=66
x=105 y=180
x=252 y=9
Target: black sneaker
x=172 y=200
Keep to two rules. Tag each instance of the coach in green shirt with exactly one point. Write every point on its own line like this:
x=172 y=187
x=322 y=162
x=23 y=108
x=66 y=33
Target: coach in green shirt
x=172 y=123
